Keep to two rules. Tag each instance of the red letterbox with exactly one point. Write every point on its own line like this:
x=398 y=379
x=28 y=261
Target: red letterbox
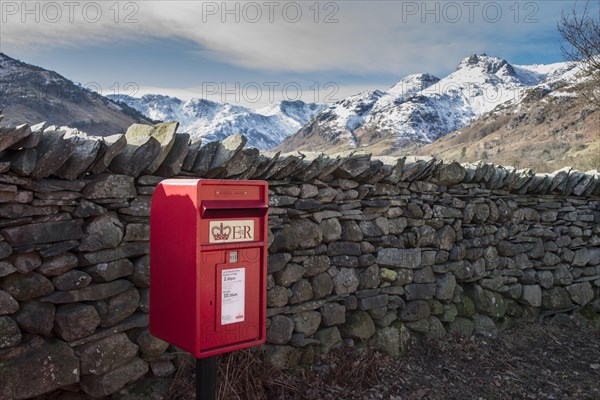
x=208 y=264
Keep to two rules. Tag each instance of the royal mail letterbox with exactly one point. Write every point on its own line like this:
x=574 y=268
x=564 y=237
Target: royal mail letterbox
x=208 y=264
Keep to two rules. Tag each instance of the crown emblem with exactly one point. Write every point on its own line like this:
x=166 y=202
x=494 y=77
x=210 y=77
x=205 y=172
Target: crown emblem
x=221 y=232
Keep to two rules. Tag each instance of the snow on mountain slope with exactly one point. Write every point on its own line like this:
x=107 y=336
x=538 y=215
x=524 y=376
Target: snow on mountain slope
x=421 y=108
x=264 y=128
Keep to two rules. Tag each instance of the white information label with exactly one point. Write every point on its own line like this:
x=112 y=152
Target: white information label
x=233 y=285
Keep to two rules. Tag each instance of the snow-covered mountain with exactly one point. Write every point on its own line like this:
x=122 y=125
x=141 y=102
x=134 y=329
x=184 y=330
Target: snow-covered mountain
x=265 y=128
x=422 y=108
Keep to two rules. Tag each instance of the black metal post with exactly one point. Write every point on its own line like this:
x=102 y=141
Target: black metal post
x=206 y=378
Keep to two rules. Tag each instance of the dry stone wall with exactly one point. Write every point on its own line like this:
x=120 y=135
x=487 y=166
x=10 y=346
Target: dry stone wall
x=363 y=251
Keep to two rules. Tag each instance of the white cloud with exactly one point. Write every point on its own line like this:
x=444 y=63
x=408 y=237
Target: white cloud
x=370 y=36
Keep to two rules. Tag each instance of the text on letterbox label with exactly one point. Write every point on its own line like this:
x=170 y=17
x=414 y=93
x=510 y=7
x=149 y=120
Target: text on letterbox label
x=233 y=294
x=231 y=231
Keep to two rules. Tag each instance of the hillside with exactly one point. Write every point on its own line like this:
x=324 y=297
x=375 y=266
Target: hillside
x=29 y=93
x=548 y=130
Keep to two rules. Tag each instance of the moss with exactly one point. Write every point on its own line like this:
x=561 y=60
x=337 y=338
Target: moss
x=466 y=307
x=588 y=313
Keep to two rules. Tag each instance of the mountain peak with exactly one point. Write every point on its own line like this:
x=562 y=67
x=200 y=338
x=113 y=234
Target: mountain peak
x=488 y=64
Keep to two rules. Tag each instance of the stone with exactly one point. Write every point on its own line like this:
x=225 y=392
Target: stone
x=6 y=268
x=301 y=292
x=162 y=369
x=345 y=261
x=93 y=292
x=36 y=317
x=137 y=232
x=450 y=174
x=308 y=205
x=174 y=160
x=351 y=231
x=462 y=327
x=24 y=287
x=101 y=356
x=333 y=314
x=581 y=293
x=546 y=279
x=358 y=325
x=315 y=265
x=37 y=367
x=8 y=304
x=88 y=209
x=444 y=238
x=370 y=303
x=137 y=320
x=6 y=251
x=436 y=329
x=71 y=280
x=556 y=298
x=581 y=257
x=346 y=281
x=26 y=262
x=344 y=249
x=420 y=291
x=110 y=186
x=414 y=311
x=102 y=232
x=277 y=297
x=12 y=135
x=369 y=278
x=75 y=321
x=139 y=207
x=141 y=272
x=322 y=285
x=488 y=302
x=110 y=147
x=113 y=380
x=404 y=258
x=106 y=272
x=353 y=166
x=276 y=262
x=10 y=335
x=387 y=340
x=52 y=152
x=120 y=307
x=151 y=345
x=562 y=276
x=286 y=239
x=332 y=230
x=484 y=325
x=146 y=149
x=280 y=330
x=397 y=225
x=329 y=338
x=226 y=151
x=307 y=322
x=45 y=232
x=445 y=286
x=57 y=265
x=531 y=295
x=282 y=357
x=289 y=275
x=84 y=154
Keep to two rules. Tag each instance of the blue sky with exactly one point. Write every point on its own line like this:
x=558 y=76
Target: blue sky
x=254 y=52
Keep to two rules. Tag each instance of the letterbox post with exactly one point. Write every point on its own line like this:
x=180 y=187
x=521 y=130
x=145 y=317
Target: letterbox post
x=208 y=269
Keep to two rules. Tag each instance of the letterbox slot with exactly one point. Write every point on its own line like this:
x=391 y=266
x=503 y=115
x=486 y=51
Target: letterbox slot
x=232 y=205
